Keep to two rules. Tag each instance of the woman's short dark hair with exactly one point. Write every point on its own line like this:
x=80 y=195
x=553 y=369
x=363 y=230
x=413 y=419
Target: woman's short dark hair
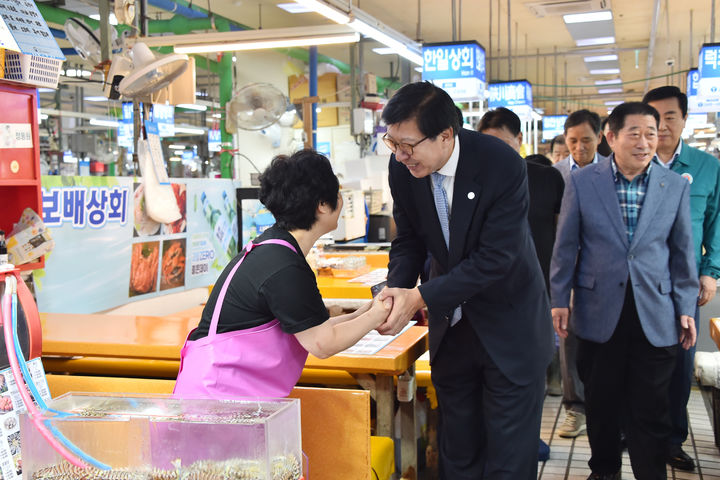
x=430 y=106
x=616 y=120
x=293 y=187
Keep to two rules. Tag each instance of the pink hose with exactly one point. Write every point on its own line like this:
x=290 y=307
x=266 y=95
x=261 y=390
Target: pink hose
x=33 y=412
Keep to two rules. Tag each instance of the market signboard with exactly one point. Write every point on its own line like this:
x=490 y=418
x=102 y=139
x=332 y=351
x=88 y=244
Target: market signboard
x=510 y=94
x=708 y=83
x=456 y=67
x=108 y=251
x=552 y=126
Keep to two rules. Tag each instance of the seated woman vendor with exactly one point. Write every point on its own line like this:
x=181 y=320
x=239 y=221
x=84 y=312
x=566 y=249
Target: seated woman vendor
x=266 y=313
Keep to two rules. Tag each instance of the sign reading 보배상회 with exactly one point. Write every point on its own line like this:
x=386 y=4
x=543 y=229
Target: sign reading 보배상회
x=456 y=67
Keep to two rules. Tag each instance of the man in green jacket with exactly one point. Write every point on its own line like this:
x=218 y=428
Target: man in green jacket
x=702 y=170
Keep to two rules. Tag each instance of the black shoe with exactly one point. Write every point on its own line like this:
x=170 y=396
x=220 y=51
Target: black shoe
x=604 y=476
x=680 y=460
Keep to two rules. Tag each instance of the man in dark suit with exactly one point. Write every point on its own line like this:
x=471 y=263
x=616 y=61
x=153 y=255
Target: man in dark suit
x=624 y=246
x=463 y=197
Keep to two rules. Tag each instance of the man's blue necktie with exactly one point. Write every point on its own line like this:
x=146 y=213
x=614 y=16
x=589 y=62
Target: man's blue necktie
x=443 y=211
x=441 y=205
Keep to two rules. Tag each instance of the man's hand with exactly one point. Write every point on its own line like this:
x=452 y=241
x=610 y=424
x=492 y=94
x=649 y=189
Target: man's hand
x=560 y=318
x=708 y=288
x=406 y=301
x=688 y=334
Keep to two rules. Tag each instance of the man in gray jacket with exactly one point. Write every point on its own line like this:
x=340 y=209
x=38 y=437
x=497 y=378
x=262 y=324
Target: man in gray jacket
x=624 y=245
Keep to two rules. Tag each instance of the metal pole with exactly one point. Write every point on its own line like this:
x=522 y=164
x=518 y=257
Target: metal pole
x=104 y=30
x=489 y=59
x=690 y=43
x=418 y=32
x=498 y=42
x=509 y=25
x=454 y=17
x=712 y=21
x=565 y=81
x=460 y=19
x=651 y=44
x=313 y=91
x=353 y=77
x=555 y=80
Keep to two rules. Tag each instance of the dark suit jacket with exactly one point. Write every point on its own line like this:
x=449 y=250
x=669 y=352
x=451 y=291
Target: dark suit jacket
x=491 y=269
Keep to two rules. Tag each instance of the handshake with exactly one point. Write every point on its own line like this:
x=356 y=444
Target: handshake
x=394 y=307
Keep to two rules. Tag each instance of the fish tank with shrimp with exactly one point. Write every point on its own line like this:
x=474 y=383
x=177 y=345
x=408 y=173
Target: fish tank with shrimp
x=166 y=438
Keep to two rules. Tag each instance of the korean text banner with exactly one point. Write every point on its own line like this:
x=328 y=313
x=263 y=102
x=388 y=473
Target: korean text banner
x=108 y=251
x=510 y=94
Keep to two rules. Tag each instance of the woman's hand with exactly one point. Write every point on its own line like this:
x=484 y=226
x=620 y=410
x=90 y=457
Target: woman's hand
x=380 y=309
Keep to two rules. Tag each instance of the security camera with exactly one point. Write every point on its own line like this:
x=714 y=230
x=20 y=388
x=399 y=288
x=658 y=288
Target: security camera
x=670 y=62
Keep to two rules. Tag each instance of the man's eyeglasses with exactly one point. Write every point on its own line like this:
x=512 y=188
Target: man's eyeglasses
x=406 y=148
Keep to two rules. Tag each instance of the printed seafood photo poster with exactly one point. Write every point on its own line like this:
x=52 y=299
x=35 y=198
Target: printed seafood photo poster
x=109 y=251
x=11 y=406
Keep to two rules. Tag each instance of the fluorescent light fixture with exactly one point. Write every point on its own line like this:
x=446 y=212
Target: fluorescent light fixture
x=601 y=58
x=609 y=90
x=265 y=44
x=614 y=102
x=588 y=17
x=190 y=130
x=177 y=147
x=375 y=33
x=46 y=90
x=294 y=7
x=192 y=106
x=104 y=123
x=325 y=10
x=112 y=19
x=605 y=71
x=383 y=50
x=98 y=98
x=587 y=42
x=255 y=39
x=608 y=82
x=698 y=144
x=704 y=135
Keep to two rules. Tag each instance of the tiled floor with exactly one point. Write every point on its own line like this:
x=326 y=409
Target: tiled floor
x=569 y=457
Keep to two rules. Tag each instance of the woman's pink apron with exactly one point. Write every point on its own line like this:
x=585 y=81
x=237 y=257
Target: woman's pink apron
x=261 y=361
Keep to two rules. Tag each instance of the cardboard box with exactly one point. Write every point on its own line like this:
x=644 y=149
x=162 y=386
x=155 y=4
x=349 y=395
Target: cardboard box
x=299 y=87
x=370 y=83
x=344 y=93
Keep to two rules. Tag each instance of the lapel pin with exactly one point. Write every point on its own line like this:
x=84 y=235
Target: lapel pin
x=662 y=184
x=471 y=195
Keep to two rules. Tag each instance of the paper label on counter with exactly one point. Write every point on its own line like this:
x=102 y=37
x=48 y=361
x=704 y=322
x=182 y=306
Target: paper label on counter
x=373 y=342
x=15 y=135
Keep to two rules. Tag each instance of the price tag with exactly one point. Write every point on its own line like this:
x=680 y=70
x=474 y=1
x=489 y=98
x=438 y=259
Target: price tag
x=28 y=28
x=156 y=155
